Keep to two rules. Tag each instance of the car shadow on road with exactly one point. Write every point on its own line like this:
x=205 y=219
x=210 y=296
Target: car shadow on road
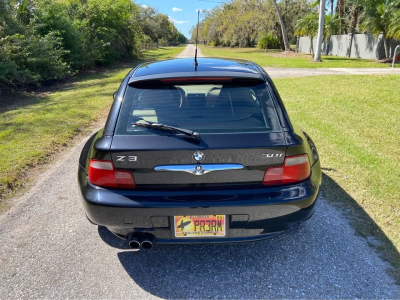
x=314 y=259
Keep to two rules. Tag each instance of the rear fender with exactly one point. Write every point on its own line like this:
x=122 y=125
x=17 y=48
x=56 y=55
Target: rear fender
x=95 y=147
x=300 y=142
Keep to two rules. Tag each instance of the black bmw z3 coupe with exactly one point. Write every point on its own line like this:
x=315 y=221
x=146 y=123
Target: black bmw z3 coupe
x=202 y=154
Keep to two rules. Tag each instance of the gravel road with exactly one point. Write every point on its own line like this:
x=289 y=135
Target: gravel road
x=49 y=250
x=302 y=72
x=189 y=52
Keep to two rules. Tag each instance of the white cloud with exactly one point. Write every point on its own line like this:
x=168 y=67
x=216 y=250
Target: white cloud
x=144 y=6
x=176 y=9
x=176 y=21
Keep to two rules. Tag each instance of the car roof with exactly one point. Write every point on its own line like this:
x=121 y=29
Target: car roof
x=183 y=67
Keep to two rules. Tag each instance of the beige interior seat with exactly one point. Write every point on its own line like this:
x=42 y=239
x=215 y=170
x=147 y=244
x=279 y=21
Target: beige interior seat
x=153 y=105
x=212 y=96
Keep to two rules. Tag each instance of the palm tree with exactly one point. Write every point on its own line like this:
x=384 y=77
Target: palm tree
x=308 y=26
x=331 y=2
x=355 y=10
x=24 y=11
x=321 y=36
x=340 y=7
x=377 y=20
x=332 y=26
x=284 y=35
x=394 y=27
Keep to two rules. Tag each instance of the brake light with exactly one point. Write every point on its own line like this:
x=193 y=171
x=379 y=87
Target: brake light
x=294 y=169
x=102 y=173
x=196 y=79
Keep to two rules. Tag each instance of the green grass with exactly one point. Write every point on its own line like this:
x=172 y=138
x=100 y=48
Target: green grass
x=278 y=59
x=163 y=53
x=34 y=127
x=354 y=121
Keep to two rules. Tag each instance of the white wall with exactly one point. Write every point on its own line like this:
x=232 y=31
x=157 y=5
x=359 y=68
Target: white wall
x=363 y=46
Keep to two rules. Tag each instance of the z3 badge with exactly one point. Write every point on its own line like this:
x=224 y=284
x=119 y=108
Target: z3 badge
x=122 y=158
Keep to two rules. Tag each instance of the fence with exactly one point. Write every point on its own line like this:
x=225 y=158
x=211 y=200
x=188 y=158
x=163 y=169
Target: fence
x=356 y=46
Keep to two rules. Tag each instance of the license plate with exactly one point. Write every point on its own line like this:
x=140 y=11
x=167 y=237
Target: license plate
x=199 y=226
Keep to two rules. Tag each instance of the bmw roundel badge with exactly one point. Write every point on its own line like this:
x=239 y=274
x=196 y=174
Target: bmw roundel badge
x=198 y=156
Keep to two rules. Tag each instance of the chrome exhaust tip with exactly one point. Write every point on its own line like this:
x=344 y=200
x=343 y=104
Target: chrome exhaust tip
x=148 y=241
x=134 y=242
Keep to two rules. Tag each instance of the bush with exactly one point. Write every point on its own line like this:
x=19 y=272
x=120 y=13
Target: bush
x=31 y=59
x=271 y=40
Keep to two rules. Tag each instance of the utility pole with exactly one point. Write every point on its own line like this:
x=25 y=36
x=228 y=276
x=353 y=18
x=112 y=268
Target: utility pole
x=318 y=50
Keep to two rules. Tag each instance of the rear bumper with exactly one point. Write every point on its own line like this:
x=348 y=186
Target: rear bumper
x=251 y=214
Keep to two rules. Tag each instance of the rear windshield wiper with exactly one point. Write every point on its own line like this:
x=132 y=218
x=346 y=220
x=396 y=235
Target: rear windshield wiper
x=162 y=127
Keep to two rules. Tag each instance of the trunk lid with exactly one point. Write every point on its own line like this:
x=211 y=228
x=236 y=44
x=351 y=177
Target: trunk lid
x=218 y=160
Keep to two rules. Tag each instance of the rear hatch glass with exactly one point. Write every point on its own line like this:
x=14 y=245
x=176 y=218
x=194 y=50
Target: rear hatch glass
x=204 y=108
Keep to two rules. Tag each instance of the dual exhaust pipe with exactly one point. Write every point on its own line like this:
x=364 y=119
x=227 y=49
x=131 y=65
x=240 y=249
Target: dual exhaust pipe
x=137 y=241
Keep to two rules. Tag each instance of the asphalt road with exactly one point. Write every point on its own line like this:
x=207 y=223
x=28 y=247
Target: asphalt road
x=49 y=250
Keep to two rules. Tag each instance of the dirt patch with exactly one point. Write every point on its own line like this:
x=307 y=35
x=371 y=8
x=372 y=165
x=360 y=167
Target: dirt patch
x=290 y=54
x=388 y=61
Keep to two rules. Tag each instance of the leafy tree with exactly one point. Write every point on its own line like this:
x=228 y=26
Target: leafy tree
x=158 y=27
x=148 y=22
x=45 y=40
x=292 y=11
x=57 y=16
x=238 y=23
x=7 y=23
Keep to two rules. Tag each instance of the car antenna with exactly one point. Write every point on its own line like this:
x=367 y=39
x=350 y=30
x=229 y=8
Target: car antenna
x=197 y=36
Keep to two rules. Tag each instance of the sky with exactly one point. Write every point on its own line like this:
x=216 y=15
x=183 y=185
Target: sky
x=181 y=12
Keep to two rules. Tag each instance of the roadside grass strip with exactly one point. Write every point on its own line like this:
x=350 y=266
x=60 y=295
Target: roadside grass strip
x=280 y=59
x=354 y=121
x=32 y=128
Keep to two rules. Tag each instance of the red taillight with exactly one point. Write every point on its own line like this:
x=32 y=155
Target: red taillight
x=103 y=173
x=294 y=169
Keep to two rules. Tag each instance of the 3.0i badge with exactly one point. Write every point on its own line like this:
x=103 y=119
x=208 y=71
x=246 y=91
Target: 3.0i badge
x=198 y=156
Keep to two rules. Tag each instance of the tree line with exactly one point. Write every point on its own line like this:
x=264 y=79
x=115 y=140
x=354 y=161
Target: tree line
x=267 y=23
x=47 y=40
x=245 y=23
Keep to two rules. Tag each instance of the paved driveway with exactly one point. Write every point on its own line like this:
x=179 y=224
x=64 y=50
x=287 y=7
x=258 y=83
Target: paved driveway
x=49 y=250
x=302 y=72
x=189 y=52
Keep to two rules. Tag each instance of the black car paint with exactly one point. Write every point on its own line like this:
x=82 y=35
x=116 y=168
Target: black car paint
x=269 y=210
